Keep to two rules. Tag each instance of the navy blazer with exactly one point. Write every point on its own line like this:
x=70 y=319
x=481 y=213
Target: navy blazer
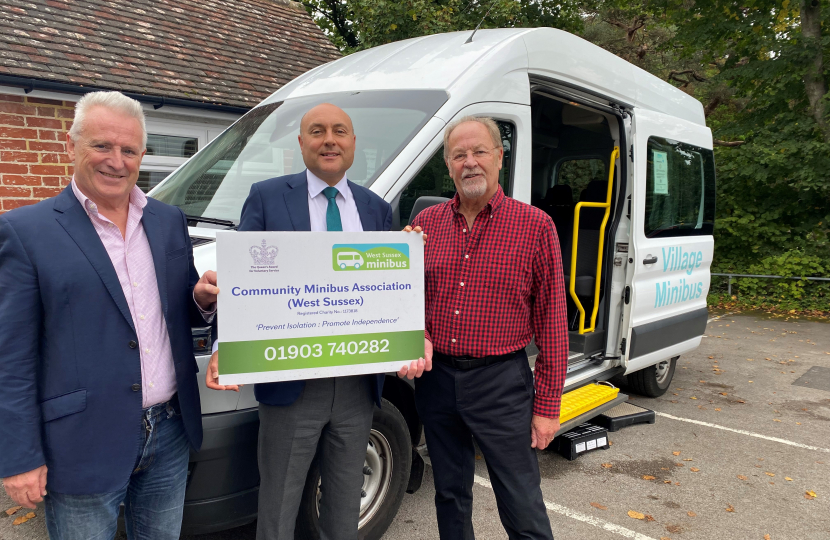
x=70 y=368
x=281 y=204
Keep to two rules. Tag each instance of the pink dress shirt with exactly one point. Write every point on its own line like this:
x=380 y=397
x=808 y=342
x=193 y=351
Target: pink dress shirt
x=133 y=262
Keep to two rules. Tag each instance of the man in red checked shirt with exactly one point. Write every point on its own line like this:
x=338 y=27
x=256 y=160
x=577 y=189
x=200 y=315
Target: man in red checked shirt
x=493 y=280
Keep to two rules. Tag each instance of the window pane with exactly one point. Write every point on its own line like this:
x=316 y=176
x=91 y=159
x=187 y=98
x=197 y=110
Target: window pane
x=680 y=189
x=434 y=179
x=168 y=145
x=578 y=173
x=263 y=144
x=147 y=180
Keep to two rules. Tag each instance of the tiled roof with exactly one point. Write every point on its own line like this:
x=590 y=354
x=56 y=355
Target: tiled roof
x=228 y=52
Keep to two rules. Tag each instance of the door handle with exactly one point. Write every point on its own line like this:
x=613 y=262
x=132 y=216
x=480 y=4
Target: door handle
x=650 y=260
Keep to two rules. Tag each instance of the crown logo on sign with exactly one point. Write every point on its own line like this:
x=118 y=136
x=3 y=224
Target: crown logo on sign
x=263 y=255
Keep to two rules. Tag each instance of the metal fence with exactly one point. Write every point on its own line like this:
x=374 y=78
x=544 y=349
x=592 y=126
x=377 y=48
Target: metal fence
x=730 y=276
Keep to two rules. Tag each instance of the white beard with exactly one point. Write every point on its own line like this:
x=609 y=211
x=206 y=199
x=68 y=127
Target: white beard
x=474 y=188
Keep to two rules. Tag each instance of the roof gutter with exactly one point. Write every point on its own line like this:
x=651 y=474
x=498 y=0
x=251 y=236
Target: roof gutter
x=157 y=102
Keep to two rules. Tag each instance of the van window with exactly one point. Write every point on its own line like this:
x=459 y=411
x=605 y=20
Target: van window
x=680 y=189
x=434 y=179
x=263 y=144
x=578 y=173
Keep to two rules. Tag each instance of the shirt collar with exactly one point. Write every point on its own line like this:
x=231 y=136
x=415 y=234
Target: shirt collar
x=316 y=185
x=493 y=204
x=137 y=199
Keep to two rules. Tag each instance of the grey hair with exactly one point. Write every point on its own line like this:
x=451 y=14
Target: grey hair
x=486 y=121
x=110 y=100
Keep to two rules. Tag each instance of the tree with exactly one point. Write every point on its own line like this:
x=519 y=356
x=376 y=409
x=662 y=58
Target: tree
x=358 y=24
x=767 y=61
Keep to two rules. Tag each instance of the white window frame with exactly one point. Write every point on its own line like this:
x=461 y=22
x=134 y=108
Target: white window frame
x=203 y=133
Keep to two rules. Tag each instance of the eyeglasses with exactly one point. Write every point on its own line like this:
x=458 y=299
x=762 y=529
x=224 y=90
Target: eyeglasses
x=478 y=155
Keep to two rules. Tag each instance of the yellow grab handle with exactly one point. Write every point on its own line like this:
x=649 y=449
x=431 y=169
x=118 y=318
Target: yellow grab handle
x=615 y=154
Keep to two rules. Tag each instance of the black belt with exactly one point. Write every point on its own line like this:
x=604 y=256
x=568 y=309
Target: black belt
x=465 y=362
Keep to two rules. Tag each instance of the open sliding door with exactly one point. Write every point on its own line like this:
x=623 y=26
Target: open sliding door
x=673 y=213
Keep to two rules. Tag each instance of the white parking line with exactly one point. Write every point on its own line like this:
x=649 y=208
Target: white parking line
x=567 y=512
x=743 y=432
x=722 y=316
x=590 y=520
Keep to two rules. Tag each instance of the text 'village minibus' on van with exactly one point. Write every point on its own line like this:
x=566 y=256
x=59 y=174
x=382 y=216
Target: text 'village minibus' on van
x=620 y=160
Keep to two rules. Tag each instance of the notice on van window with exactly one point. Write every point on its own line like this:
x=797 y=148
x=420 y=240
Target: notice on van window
x=305 y=305
x=661 y=173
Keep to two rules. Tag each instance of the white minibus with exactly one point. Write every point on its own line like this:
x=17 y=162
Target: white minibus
x=621 y=161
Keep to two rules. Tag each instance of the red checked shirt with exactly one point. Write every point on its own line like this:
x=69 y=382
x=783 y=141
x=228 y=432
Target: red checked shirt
x=492 y=287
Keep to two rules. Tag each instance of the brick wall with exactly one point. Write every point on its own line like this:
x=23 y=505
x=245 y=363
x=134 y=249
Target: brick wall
x=33 y=160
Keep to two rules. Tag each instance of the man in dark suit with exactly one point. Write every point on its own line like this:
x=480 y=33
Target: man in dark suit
x=334 y=414
x=99 y=402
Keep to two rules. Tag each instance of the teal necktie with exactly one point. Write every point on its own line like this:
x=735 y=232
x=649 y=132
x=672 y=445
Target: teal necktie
x=333 y=222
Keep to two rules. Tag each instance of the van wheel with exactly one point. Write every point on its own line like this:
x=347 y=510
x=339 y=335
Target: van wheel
x=653 y=381
x=388 y=462
x=342 y=266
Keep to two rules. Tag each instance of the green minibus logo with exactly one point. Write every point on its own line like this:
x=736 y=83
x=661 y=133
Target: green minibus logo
x=351 y=257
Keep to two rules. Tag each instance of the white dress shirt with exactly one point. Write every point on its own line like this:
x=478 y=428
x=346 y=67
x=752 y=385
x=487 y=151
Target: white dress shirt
x=318 y=204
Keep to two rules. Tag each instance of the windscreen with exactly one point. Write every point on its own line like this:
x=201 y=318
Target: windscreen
x=263 y=144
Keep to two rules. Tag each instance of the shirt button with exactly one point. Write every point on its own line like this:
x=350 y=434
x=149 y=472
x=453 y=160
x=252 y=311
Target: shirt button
x=462 y=283
x=466 y=256
x=141 y=317
x=146 y=350
x=151 y=385
x=135 y=284
x=132 y=344
x=453 y=340
x=463 y=230
x=136 y=387
x=456 y=312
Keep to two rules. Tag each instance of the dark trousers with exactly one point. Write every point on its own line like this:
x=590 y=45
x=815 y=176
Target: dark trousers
x=332 y=416
x=493 y=404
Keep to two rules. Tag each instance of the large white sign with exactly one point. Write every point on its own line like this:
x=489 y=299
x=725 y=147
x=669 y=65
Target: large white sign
x=304 y=305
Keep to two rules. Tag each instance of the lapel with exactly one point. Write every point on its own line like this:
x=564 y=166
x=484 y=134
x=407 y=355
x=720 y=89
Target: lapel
x=364 y=208
x=72 y=217
x=155 y=236
x=296 y=200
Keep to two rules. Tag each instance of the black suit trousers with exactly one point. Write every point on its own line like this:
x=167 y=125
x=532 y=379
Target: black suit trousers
x=492 y=404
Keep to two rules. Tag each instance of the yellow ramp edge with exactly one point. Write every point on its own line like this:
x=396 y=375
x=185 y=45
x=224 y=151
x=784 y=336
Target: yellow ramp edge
x=584 y=399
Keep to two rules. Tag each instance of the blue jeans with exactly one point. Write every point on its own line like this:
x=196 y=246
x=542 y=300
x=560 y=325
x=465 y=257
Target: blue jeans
x=153 y=498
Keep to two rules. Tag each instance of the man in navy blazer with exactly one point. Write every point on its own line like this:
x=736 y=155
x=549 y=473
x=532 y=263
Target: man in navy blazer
x=99 y=401
x=331 y=415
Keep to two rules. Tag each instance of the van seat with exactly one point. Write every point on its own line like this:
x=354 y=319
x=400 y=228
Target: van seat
x=595 y=191
x=590 y=220
x=559 y=205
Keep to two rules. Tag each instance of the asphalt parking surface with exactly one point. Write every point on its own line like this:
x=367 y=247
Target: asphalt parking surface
x=734 y=451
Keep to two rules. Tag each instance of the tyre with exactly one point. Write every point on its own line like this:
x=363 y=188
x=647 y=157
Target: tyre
x=356 y=266
x=388 y=460
x=653 y=381
x=342 y=266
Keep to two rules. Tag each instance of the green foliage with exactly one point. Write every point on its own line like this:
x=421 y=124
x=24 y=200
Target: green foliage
x=782 y=294
x=773 y=190
x=368 y=23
